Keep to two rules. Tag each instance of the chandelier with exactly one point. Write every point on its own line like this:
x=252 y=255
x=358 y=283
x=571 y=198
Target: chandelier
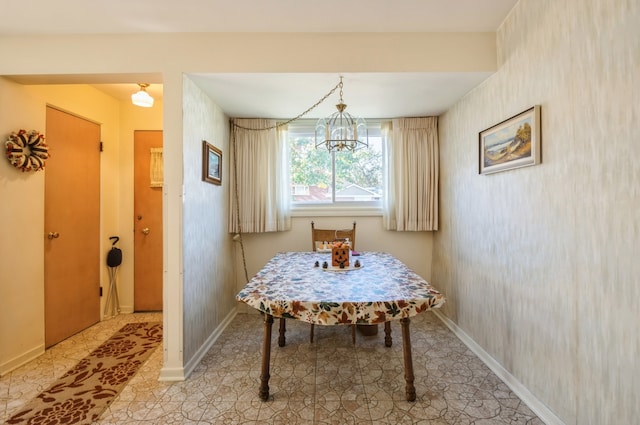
x=142 y=98
x=341 y=131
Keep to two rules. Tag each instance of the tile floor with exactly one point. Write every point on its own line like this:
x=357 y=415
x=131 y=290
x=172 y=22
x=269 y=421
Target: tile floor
x=327 y=382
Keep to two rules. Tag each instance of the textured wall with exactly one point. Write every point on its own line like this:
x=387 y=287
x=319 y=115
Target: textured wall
x=208 y=255
x=539 y=264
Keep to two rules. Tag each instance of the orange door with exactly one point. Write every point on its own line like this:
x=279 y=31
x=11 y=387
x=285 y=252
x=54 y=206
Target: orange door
x=71 y=226
x=147 y=223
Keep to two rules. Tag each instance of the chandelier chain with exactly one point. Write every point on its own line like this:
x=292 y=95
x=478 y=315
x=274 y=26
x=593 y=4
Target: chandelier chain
x=311 y=108
x=237 y=202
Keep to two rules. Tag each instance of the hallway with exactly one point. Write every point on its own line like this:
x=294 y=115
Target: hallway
x=327 y=382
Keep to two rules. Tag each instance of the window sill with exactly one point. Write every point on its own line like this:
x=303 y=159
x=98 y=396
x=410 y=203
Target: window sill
x=335 y=211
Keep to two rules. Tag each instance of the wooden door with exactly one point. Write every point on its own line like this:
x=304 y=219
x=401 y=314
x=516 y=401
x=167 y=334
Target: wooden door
x=147 y=224
x=71 y=226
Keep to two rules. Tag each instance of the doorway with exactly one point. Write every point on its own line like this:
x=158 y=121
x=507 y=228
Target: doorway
x=71 y=226
x=147 y=220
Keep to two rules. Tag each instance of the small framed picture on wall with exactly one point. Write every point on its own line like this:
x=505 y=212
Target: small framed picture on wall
x=211 y=163
x=513 y=143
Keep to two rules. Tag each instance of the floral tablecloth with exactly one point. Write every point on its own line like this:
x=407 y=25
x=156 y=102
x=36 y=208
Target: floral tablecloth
x=382 y=289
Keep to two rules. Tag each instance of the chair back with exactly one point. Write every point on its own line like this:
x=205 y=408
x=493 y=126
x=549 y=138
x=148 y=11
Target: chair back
x=331 y=235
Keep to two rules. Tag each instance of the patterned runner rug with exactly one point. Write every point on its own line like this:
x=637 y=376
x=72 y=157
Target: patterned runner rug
x=85 y=391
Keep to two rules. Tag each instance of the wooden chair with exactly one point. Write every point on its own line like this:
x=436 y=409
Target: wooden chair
x=331 y=235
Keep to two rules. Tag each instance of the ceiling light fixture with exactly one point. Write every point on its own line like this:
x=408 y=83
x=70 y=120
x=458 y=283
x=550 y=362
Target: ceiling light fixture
x=142 y=98
x=341 y=131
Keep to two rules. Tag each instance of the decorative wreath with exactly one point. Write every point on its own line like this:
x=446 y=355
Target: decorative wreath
x=27 y=151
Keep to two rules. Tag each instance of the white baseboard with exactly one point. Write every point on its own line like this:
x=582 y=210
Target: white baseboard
x=171 y=374
x=126 y=309
x=199 y=355
x=539 y=408
x=21 y=360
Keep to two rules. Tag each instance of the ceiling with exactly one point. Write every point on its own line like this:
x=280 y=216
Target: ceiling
x=369 y=95
x=372 y=95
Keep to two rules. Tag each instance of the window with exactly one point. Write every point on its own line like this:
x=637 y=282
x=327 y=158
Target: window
x=321 y=178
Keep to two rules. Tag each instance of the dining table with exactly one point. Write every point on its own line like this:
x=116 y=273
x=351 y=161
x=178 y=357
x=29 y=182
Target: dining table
x=375 y=288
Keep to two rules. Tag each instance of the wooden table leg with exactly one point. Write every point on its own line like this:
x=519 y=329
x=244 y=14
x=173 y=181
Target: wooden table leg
x=266 y=358
x=408 y=361
x=283 y=329
x=387 y=334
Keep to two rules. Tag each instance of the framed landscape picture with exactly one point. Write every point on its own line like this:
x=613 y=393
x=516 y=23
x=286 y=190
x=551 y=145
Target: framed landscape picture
x=211 y=163
x=513 y=143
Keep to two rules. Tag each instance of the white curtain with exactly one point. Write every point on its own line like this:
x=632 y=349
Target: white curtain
x=412 y=170
x=258 y=173
x=156 y=170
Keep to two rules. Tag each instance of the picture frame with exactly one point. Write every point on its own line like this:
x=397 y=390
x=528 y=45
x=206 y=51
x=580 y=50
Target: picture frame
x=211 y=163
x=512 y=143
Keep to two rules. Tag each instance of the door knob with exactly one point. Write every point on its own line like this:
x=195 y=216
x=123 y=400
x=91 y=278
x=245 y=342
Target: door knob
x=53 y=235
x=146 y=230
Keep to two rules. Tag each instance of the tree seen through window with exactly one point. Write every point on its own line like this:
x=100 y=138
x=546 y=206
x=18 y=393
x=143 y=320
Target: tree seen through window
x=358 y=175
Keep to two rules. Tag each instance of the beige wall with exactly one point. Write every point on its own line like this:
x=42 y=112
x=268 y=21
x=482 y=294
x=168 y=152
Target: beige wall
x=539 y=265
x=21 y=243
x=248 y=52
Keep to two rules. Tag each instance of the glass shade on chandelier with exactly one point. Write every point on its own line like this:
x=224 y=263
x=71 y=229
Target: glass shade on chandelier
x=341 y=131
x=142 y=98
